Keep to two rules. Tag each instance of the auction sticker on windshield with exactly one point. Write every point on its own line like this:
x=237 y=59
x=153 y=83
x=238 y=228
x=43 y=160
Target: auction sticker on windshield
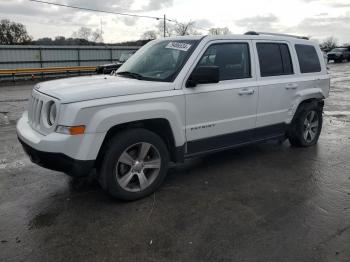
x=178 y=46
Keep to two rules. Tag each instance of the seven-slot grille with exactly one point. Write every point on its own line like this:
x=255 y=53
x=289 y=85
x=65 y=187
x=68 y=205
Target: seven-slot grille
x=34 y=111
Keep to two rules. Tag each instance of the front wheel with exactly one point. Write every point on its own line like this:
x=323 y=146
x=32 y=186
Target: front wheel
x=134 y=164
x=306 y=126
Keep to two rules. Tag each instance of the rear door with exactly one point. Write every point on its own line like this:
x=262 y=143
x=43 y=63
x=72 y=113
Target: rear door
x=222 y=114
x=277 y=86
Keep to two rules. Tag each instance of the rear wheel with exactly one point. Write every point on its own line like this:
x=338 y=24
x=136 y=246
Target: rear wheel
x=306 y=126
x=134 y=165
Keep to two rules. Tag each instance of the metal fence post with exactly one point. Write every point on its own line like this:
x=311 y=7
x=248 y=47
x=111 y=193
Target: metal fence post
x=41 y=61
x=78 y=53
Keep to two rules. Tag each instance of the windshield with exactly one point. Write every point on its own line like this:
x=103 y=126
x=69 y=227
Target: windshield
x=159 y=61
x=338 y=50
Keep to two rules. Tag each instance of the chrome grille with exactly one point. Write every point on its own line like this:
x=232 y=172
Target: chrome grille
x=34 y=111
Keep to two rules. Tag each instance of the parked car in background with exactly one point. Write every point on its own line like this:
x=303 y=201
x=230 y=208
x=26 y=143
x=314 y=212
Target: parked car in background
x=339 y=54
x=109 y=68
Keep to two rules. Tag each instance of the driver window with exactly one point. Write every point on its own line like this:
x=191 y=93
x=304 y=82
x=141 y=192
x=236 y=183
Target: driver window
x=233 y=60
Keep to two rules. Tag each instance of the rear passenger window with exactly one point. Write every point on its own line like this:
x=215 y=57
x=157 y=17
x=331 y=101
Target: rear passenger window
x=233 y=60
x=274 y=59
x=308 y=59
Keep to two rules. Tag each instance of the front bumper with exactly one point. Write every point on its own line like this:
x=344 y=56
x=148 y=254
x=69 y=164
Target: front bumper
x=59 y=162
x=73 y=155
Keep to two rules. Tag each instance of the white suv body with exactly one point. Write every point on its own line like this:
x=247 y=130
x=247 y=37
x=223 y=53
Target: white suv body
x=262 y=83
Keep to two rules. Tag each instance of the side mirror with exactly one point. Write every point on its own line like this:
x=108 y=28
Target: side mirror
x=204 y=75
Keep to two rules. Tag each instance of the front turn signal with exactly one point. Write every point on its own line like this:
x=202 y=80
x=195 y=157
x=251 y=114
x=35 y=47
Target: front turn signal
x=71 y=130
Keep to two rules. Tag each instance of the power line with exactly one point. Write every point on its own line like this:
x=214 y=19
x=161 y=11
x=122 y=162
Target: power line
x=97 y=10
x=115 y=13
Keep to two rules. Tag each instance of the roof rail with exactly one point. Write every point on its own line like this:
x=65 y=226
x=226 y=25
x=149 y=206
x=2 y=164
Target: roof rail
x=275 y=34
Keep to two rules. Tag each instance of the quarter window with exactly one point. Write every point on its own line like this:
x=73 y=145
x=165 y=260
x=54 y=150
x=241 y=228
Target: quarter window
x=274 y=59
x=308 y=59
x=233 y=60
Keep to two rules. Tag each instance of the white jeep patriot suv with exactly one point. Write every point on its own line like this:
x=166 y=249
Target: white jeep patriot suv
x=177 y=98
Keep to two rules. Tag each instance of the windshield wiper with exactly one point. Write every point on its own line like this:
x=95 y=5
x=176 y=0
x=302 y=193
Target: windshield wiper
x=131 y=74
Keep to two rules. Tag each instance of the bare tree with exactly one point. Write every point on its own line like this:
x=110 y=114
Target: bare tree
x=169 y=29
x=178 y=28
x=149 y=35
x=12 y=33
x=88 y=35
x=219 y=31
x=97 y=36
x=185 y=28
x=328 y=44
x=83 y=33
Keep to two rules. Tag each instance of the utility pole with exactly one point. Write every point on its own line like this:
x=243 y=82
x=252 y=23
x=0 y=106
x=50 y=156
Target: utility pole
x=101 y=32
x=164 y=26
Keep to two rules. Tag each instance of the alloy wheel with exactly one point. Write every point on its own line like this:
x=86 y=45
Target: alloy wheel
x=138 y=167
x=310 y=128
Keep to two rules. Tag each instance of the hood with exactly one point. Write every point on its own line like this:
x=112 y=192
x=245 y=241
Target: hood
x=83 y=88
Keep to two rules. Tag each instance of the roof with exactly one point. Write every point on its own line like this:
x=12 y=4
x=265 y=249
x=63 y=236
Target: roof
x=261 y=36
x=92 y=47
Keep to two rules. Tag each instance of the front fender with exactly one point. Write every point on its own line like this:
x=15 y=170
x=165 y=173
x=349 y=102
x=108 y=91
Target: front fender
x=105 y=119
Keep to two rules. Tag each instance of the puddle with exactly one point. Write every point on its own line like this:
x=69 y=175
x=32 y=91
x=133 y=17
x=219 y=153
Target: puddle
x=43 y=220
x=337 y=113
x=5 y=164
x=4 y=119
x=342 y=116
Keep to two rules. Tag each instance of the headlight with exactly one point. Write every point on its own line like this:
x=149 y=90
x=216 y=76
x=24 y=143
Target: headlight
x=51 y=113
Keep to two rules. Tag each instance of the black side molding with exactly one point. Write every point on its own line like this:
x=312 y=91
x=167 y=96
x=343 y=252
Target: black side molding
x=226 y=141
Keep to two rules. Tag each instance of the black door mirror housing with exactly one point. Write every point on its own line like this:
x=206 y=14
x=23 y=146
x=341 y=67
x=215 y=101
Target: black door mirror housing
x=204 y=75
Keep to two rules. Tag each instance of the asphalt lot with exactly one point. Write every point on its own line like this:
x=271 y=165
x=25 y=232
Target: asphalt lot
x=265 y=202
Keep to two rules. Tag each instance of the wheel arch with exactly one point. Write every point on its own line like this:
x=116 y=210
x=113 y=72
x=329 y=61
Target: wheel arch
x=319 y=101
x=159 y=126
x=312 y=95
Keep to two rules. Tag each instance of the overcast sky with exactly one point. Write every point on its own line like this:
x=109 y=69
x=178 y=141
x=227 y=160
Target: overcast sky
x=315 y=18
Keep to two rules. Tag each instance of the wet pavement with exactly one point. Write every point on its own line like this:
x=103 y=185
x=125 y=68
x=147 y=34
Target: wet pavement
x=265 y=202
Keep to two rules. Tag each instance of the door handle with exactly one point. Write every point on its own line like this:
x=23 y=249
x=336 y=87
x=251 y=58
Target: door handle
x=291 y=86
x=246 y=91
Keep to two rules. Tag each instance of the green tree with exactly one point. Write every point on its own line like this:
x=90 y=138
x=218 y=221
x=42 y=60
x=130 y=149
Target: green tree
x=12 y=33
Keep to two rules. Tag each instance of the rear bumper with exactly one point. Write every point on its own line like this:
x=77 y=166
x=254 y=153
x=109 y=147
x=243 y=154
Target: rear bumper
x=58 y=161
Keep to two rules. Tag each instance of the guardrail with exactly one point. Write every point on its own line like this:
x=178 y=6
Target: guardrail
x=33 y=72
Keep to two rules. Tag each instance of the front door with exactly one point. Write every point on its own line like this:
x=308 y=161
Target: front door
x=223 y=114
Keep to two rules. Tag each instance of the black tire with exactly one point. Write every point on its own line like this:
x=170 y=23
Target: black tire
x=298 y=128
x=118 y=145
